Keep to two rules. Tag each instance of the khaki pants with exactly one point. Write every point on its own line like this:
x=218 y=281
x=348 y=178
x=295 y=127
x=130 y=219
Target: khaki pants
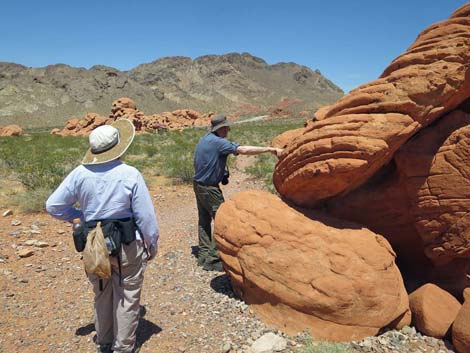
x=117 y=307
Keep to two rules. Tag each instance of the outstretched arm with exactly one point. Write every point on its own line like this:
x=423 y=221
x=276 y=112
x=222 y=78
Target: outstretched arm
x=252 y=150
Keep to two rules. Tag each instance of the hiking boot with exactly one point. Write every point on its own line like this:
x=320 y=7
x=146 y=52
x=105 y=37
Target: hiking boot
x=201 y=261
x=105 y=348
x=215 y=266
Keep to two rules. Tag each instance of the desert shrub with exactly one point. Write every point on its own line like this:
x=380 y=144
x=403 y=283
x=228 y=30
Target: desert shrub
x=169 y=154
x=310 y=346
x=40 y=161
x=263 y=169
x=33 y=200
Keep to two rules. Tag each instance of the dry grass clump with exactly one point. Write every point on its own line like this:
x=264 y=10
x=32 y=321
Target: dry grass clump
x=311 y=346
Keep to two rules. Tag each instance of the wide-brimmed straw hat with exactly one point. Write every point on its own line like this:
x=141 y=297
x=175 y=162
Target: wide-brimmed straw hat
x=109 y=142
x=219 y=121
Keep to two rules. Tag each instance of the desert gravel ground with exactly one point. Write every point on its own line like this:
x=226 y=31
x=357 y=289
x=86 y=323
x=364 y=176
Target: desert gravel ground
x=46 y=301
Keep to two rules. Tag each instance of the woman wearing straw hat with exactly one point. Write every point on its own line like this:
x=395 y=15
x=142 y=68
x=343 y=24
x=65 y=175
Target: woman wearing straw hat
x=107 y=189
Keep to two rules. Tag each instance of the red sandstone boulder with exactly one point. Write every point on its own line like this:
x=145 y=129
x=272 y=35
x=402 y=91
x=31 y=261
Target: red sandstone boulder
x=420 y=202
x=123 y=103
x=79 y=127
x=392 y=155
x=284 y=139
x=433 y=309
x=362 y=131
x=72 y=124
x=335 y=279
x=461 y=326
x=11 y=130
x=321 y=112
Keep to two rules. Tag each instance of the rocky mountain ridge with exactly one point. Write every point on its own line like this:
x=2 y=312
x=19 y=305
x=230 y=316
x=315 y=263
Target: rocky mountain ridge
x=233 y=83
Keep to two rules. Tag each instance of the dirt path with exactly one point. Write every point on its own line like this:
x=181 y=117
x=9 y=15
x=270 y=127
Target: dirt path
x=46 y=301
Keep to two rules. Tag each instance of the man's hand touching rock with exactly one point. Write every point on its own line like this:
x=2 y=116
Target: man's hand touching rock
x=276 y=151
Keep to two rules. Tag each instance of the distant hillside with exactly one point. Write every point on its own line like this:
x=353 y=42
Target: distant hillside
x=233 y=83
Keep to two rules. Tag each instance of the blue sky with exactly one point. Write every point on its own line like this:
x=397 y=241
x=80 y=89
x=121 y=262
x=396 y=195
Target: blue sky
x=350 y=42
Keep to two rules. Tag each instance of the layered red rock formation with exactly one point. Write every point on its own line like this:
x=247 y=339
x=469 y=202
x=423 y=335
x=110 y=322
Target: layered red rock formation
x=420 y=201
x=391 y=155
x=283 y=109
x=11 y=130
x=126 y=108
x=337 y=280
x=284 y=139
x=362 y=131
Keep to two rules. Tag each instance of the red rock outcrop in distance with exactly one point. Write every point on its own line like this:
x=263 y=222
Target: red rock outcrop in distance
x=335 y=279
x=126 y=108
x=11 y=130
x=393 y=155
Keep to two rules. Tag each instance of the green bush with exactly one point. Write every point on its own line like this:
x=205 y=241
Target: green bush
x=263 y=169
x=261 y=134
x=41 y=161
x=169 y=154
x=310 y=346
x=33 y=200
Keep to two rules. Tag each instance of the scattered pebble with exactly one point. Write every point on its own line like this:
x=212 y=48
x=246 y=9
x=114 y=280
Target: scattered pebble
x=188 y=310
x=25 y=253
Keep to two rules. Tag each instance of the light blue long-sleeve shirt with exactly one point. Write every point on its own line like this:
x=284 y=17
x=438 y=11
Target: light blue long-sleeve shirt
x=111 y=190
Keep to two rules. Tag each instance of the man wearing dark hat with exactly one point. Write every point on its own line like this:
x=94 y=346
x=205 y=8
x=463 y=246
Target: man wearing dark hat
x=109 y=190
x=210 y=159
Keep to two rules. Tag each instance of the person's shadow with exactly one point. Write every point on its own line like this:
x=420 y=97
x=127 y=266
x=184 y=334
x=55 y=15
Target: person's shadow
x=145 y=329
x=221 y=284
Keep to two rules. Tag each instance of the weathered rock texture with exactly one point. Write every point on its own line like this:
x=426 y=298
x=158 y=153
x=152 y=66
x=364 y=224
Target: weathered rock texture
x=126 y=108
x=284 y=139
x=336 y=279
x=433 y=309
x=393 y=155
x=362 y=131
x=461 y=326
x=11 y=130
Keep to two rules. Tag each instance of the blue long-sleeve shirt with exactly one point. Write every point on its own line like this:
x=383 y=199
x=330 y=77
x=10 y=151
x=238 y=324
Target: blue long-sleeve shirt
x=111 y=190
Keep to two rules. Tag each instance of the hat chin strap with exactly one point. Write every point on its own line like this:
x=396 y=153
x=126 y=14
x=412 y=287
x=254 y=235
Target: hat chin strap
x=106 y=148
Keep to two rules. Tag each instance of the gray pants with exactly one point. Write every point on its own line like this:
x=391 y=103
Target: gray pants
x=117 y=306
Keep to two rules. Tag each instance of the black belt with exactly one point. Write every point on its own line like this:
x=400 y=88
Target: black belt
x=204 y=184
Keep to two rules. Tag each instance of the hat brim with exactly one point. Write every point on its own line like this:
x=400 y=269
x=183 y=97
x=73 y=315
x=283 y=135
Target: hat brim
x=221 y=125
x=126 y=136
